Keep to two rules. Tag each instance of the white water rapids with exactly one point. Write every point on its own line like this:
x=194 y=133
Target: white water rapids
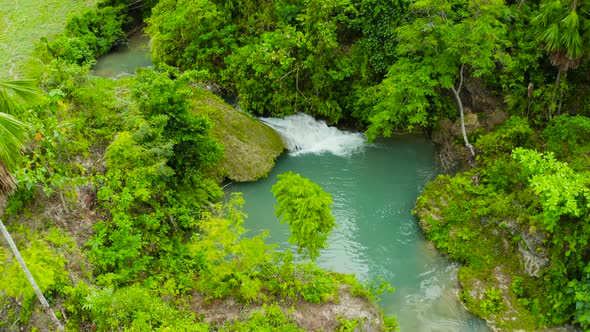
x=303 y=134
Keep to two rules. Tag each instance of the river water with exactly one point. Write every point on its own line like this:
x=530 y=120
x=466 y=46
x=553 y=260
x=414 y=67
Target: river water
x=126 y=58
x=374 y=188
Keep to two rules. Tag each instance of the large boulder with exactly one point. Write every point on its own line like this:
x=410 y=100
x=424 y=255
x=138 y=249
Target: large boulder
x=250 y=146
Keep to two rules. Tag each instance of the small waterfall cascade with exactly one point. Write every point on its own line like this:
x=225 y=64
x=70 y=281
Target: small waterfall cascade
x=303 y=135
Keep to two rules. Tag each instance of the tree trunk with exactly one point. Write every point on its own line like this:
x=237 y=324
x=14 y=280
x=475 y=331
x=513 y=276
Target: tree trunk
x=461 y=115
x=7 y=185
x=557 y=83
x=20 y=260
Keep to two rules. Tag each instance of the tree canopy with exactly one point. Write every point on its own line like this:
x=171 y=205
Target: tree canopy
x=306 y=208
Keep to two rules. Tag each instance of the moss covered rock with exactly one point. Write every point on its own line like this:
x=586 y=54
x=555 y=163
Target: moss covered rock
x=250 y=146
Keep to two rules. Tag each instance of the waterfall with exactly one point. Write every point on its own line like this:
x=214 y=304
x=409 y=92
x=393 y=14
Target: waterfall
x=304 y=134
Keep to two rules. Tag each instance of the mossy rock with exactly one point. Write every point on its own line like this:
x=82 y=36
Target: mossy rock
x=489 y=294
x=250 y=146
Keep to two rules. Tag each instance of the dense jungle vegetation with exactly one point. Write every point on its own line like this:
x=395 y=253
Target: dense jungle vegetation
x=116 y=210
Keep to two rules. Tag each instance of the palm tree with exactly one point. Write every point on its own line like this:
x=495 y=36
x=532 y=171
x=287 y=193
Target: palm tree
x=12 y=95
x=562 y=36
x=11 y=138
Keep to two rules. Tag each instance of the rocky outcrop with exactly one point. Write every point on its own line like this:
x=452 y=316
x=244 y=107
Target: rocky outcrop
x=472 y=124
x=250 y=146
x=307 y=316
x=325 y=316
x=488 y=290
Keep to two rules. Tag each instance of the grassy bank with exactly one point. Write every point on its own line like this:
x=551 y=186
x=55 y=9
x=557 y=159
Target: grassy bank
x=23 y=22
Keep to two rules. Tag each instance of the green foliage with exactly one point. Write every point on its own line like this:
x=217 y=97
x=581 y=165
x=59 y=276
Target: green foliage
x=317 y=286
x=190 y=34
x=358 y=289
x=281 y=57
x=46 y=266
x=515 y=200
x=87 y=37
x=492 y=301
x=390 y=324
x=60 y=75
x=348 y=325
x=135 y=308
x=13 y=94
x=246 y=268
x=562 y=27
x=459 y=40
x=233 y=265
x=12 y=136
x=581 y=289
x=266 y=74
x=566 y=138
x=24 y=23
x=16 y=93
x=155 y=185
x=269 y=318
x=561 y=190
x=517 y=287
x=524 y=83
x=306 y=208
x=130 y=157
x=515 y=132
x=162 y=98
x=47 y=168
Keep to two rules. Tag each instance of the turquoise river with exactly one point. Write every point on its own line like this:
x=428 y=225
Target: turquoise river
x=374 y=188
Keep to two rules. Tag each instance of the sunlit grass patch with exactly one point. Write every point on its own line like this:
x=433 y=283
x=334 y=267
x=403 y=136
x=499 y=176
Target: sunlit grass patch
x=23 y=22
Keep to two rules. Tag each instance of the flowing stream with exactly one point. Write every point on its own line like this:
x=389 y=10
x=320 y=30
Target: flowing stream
x=374 y=188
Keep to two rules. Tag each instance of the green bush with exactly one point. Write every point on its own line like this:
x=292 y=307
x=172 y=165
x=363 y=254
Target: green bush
x=567 y=138
x=269 y=318
x=87 y=37
x=134 y=308
x=515 y=132
x=46 y=266
x=492 y=302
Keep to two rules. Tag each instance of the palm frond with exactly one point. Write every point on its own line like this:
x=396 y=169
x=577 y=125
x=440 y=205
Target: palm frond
x=548 y=13
x=570 y=37
x=12 y=132
x=550 y=37
x=16 y=93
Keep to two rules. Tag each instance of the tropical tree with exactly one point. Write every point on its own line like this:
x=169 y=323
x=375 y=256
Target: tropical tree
x=12 y=95
x=562 y=24
x=305 y=206
x=11 y=133
x=457 y=40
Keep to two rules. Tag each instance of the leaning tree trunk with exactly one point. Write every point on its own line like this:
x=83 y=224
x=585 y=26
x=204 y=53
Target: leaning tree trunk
x=23 y=265
x=461 y=114
x=7 y=186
